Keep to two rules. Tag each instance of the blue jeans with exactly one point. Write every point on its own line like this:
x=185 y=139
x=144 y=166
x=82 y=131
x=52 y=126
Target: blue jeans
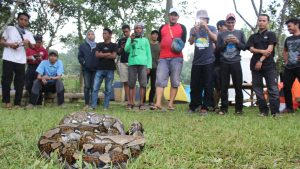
x=108 y=75
x=88 y=77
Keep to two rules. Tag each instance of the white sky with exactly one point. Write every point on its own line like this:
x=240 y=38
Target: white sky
x=217 y=10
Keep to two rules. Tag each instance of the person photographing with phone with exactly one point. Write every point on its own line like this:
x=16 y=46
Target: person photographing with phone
x=229 y=45
x=15 y=40
x=139 y=63
x=203 y=36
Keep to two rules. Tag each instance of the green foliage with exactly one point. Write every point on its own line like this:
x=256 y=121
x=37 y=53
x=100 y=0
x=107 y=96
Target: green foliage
x=278 y=19
x=186 y=70
x=174 y=139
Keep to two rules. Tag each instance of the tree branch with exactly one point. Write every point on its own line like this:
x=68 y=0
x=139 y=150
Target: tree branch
x=11 y=18
x=254 y=7
x=252 y=27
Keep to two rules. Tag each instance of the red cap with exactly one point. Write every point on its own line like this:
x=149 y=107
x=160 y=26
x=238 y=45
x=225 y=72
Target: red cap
x=230 y=15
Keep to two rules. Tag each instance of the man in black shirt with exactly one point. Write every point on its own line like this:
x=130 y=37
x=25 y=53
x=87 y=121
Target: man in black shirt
x=291 y=56
x=123 y=62
x=262 y=65
x=106 y=52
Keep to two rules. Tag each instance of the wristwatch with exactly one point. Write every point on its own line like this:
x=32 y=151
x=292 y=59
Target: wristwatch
x=261 y=60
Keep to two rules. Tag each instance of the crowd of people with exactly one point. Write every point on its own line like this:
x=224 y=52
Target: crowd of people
x=157 y=60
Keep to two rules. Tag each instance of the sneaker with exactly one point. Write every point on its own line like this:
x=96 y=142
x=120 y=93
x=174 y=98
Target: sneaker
x=203 y=112
x=263 y=114
x=91 y=108
x=287 y=111
x=62 y=105
x=16 y=106
x=86 y=108
x=29 y=106
x=191 y=111
x=7 y=106
x=222 y=112
x=239 y=112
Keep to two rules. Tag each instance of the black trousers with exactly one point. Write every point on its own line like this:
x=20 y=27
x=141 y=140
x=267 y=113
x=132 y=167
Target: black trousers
x=235 y=71
x=38 y=88
x=152 y=77
x=12 y=72
x=88 y=77
x=289 y=77
x=201 y=80
x=273 y=92
x=30 y=76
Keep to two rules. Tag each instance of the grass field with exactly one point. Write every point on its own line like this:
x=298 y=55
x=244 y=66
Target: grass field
x=174 y=139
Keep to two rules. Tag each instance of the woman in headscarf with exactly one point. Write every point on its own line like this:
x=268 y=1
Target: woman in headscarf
x=88 y=62
x=139 y=63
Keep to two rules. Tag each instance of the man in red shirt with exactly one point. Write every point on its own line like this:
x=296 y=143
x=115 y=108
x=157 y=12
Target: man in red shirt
x=34 y=57
x=170 y=62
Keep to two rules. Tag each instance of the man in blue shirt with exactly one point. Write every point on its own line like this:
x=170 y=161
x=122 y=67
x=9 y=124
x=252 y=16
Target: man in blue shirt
x=48 y=80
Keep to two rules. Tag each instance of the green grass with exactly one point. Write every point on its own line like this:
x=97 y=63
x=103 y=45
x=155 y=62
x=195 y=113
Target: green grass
x=174 y=139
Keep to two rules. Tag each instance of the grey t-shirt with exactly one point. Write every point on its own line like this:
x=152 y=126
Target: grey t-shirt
x=204 y=50
x=230 y=53
x=292 y=45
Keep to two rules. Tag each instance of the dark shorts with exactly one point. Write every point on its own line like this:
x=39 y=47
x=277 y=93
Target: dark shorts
x=169 y=67
x=137 y=72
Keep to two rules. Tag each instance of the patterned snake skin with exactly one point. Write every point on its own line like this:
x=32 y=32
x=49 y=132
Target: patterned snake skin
x=97 y=140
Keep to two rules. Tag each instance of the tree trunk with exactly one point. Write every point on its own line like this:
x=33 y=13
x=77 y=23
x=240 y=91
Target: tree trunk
x=169 y=5
x=279 y=46
x=79 y=31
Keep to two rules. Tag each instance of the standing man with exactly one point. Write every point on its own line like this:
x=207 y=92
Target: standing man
x=229 y=44
x=48 y=80
x=15 y=39
x=155 y=49
x=221 y=26
x=291 y=56
x=204 y=36
x=170 y=62
x=35 y=56
x=106 y=53
x=139 y=63
x=88 y=62
x=262 y=65
x=123 y=62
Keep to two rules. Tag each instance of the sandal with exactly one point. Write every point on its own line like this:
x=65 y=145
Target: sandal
x=171 y=108
x=157 y=108
x=129 y=106
x=142 y=107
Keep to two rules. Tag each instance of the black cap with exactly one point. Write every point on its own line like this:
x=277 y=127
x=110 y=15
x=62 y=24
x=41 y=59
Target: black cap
x=220 y=23
x=38 y=38
x=154 y=31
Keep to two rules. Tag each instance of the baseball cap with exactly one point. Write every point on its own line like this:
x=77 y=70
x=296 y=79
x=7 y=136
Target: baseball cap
x=174 y=10
x=38 y=38
x=52 y=51
x=230 y=15
x=201 y=14
x=220 y=23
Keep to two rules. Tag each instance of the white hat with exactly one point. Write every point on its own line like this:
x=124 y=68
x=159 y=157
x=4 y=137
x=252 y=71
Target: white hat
x=202 y=14
x=174 y=10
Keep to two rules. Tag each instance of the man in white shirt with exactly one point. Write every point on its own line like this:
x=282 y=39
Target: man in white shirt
x=15 y=39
